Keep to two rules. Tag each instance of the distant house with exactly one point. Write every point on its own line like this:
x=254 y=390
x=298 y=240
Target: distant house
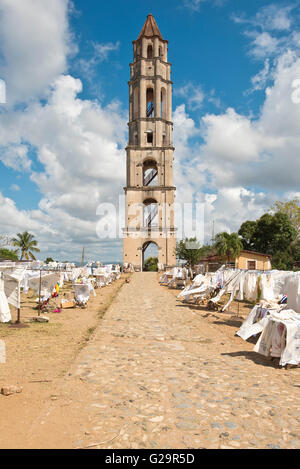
x=248 y=260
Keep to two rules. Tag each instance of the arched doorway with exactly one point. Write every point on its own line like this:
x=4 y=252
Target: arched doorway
x=150 y=257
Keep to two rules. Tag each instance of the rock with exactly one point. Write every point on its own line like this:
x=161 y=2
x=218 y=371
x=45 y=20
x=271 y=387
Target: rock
x=157 y=419
x=231 y=425
x=215 y=425
x=39 y=319
x=8 y=390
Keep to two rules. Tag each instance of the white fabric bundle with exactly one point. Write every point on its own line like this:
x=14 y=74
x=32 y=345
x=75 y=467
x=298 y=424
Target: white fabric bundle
x=5 y=315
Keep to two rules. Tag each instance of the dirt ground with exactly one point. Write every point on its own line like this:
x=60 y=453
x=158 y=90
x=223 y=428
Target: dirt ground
x=41 y=353
x=227 y=322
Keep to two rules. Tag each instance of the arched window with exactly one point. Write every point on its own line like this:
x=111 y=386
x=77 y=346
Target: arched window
x=160 y=52
x=150 y=173
x=150 y=213
x=149 y=52
x=150 y=102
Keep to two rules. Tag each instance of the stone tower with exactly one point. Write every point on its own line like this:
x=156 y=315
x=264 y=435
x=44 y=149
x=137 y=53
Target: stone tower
x=150 y=188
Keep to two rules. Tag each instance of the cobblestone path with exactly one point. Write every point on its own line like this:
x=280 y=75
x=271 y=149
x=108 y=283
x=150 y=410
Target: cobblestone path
x=157 y=375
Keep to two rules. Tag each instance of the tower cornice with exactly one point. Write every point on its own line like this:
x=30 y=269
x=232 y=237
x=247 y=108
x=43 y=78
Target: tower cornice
x=137 y=148
x=150 y=60
x=150 y=119
x=149 y=188
x=148 y=78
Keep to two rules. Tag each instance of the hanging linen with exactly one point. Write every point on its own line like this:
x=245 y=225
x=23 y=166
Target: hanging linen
x=5 y=315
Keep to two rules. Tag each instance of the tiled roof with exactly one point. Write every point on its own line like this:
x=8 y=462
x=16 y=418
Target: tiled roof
x=150 y=28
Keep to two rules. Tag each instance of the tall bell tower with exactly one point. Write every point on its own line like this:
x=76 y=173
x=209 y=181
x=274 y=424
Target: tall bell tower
x=150 y=190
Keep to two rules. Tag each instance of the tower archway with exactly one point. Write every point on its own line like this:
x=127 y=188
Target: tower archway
x=150 y=256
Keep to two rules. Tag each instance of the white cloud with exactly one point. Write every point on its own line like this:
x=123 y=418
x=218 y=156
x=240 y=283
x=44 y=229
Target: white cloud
x=243 y=165
x=16 y=157
x=80 y=146
x=194 y=5
x=192 y=94
x=264 y=45
x=271 y=30
x=35 y=42
x=15 y=187
x=259 y=81
x=274 y=17
x=99 y=55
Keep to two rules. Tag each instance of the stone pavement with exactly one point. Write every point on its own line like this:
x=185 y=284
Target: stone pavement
x=157 y=375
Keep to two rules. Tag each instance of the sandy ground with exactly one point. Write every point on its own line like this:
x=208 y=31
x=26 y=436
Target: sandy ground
x=40 y=355
x=160 y=374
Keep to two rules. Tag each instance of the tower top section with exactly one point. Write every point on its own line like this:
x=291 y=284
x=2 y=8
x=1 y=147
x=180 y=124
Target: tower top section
x=150 y=29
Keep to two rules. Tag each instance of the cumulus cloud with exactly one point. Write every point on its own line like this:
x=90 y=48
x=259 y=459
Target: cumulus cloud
x=15 y=156
x=100 y=53
x=193 y=95
x=35 y=43
x=78 y=144
x=80 y=147
x=238 y=166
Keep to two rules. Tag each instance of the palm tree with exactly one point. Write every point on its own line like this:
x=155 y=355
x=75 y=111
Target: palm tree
x=26 y=243
x=228 y=245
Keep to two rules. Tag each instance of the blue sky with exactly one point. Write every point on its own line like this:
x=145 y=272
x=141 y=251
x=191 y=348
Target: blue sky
x=63 y=130
x=199 y=43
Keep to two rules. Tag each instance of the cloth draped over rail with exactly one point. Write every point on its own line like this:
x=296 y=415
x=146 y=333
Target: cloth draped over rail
x=242 y=284
x=279 y=330
x=5 y=315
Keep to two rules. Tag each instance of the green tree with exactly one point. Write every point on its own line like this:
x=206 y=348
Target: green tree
x=228 y=246
x=49 y=259
x=246 y=232
x=284 y=260
x=273 y=233
x=7 y=254
x=190 y=250
x=26 y=244
x=151 y=264
x=292 y=210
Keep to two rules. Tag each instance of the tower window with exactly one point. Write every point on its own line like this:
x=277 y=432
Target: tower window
x=150 y=102
x=150 y=136
x=149 y=52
